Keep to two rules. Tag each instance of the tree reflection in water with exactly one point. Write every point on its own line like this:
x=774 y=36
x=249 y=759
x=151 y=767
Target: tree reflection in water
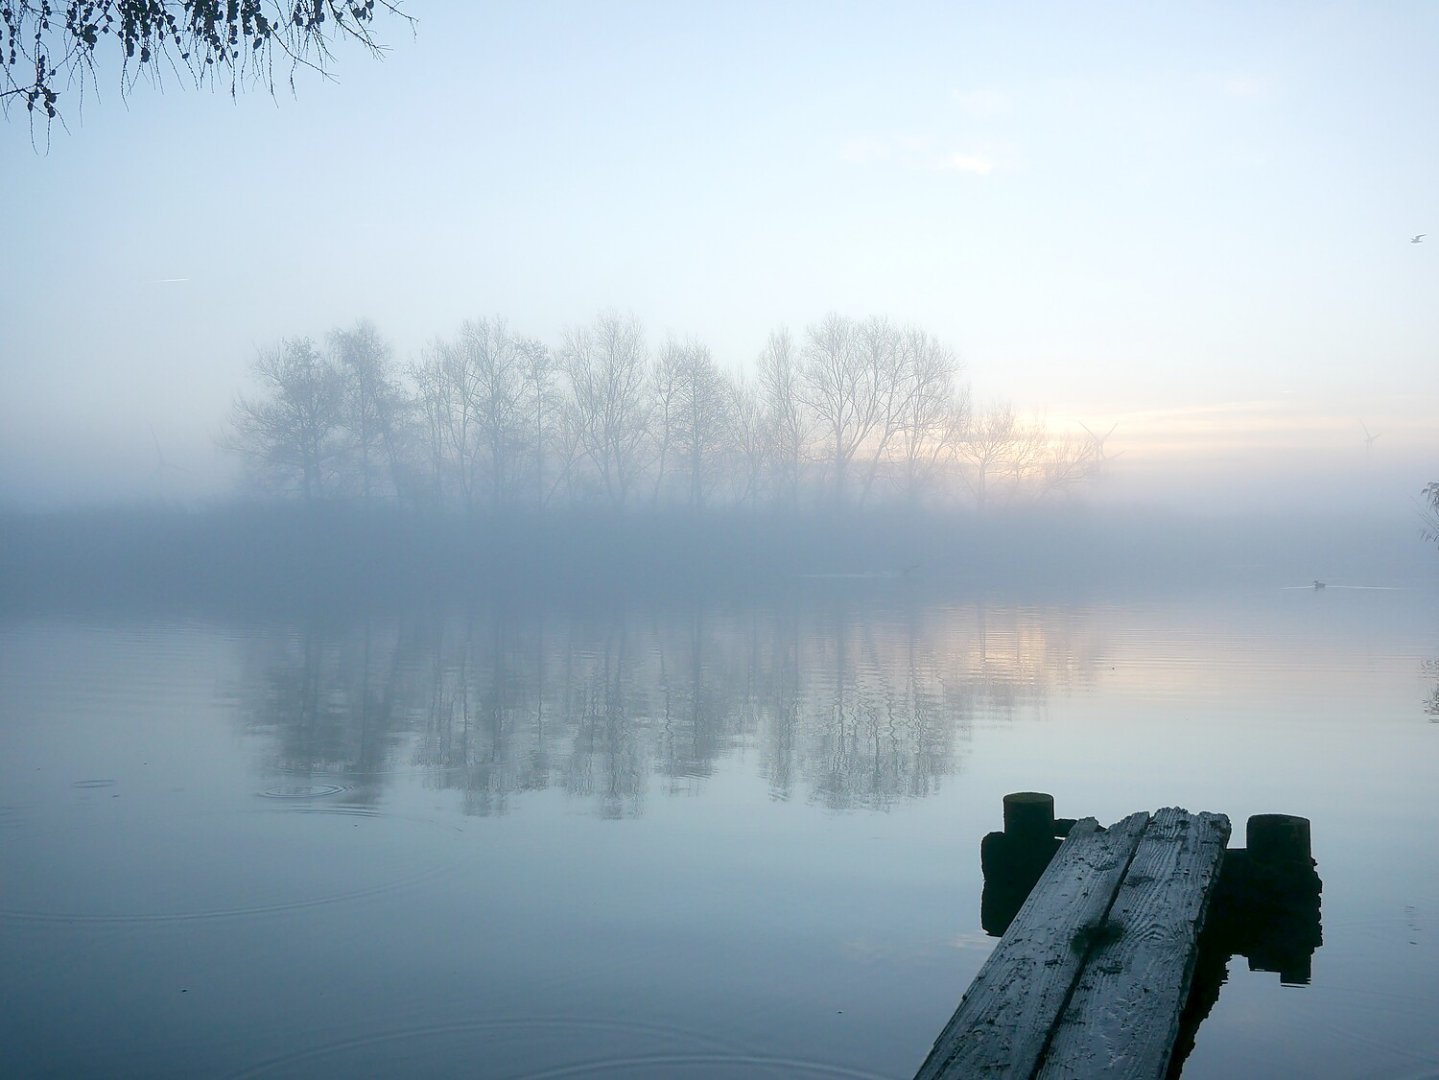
x=838 y=702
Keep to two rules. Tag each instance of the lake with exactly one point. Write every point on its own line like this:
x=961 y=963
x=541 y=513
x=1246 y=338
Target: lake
x=702 y=839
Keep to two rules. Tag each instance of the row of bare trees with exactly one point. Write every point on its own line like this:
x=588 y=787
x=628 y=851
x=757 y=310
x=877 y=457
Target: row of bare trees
x=857 y=412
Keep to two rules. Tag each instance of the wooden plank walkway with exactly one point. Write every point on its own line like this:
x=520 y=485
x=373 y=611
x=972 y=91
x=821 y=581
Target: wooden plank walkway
x=1093 y=973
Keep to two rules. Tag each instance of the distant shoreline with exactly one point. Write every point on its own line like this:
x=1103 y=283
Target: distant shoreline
x=282 y=554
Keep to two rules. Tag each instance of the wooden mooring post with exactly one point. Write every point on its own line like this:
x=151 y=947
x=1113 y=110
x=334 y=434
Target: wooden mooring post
x=1115 y=941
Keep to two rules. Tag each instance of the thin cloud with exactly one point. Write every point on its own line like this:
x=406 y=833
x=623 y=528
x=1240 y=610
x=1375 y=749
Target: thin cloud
x=914 y=144
x=917 y=153
x=975 y=164
x=982 y=103
x=1243 y=85
x=863 y=151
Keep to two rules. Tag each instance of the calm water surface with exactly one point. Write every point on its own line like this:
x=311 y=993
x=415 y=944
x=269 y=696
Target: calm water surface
x=698 y=841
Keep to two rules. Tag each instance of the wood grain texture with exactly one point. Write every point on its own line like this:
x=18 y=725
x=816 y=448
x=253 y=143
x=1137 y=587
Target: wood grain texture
x=1004 y=1020
x=1123 y=1016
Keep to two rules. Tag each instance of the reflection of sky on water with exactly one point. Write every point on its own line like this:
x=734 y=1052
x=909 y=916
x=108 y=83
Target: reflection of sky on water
x=752 y=833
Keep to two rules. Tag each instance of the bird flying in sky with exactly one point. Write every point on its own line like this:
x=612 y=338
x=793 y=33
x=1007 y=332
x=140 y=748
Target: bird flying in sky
x=1419 y=239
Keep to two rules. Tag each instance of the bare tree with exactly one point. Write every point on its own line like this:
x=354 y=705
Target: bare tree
x=890 y=377
x=747 y=439
x=542 y=402
x=1009 y=459
x=666 y=379
x=450 y=421
x=986 y=446
x=1070 y=462
x=482 y=395
x=837 y=385
x=861 y=382
x=690 y=417
x=292 y=436
x=786 y=419
x=1039 y=464
x=1025 y=463
x=610 y=404
x=495 y=380
x=700 y=418
x=932 y=412
x=375 y=409
x=567 y=447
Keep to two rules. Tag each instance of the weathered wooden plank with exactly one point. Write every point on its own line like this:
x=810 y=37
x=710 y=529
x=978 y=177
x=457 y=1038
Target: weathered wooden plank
x=1123 y=1016
x=1004 y=1020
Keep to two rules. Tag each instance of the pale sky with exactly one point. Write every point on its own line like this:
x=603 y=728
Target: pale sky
x=1189 y=222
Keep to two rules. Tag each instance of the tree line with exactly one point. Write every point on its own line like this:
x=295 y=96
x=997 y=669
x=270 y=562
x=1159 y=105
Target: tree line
x=853 y=413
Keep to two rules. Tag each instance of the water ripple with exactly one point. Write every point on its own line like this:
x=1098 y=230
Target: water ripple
x=722 y=1051
x=309 y=791
x=422 y=870
x=224 y=913
x=745 y=1064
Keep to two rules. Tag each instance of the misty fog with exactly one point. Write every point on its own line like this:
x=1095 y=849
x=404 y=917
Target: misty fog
x=855 y=447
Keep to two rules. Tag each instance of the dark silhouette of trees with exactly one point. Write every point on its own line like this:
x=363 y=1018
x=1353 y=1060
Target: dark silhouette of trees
x=46 y=45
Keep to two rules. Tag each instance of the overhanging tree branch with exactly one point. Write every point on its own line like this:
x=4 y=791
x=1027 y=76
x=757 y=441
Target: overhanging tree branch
x=47 y=46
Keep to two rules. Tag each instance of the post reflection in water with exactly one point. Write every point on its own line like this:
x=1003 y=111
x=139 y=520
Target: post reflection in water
x=839 y=705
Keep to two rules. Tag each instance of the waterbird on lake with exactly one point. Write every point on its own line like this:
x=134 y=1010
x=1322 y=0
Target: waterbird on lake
x=1418 y=238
